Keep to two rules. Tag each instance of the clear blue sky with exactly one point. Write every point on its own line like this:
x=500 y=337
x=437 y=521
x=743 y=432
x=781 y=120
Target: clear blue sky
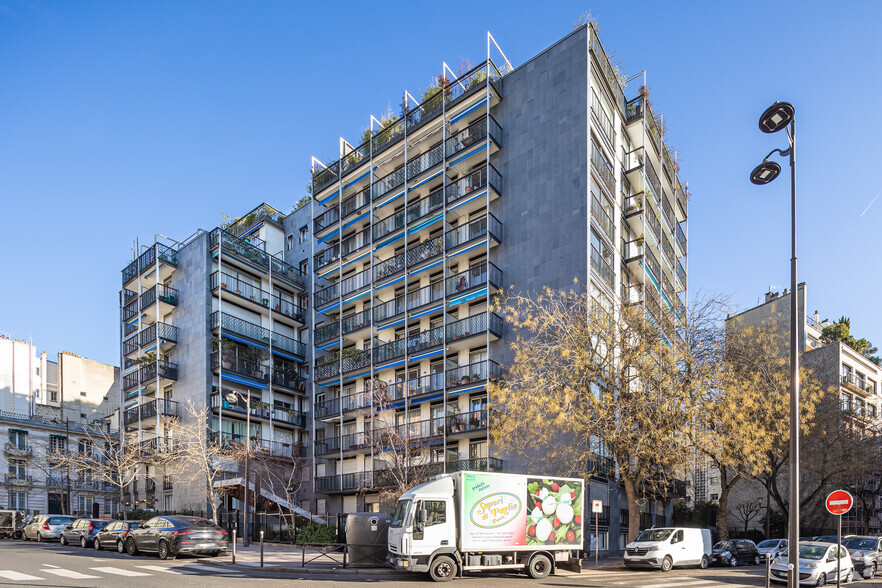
x=119 y=119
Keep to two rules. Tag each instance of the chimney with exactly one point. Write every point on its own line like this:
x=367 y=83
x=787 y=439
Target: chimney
x=771 y=296
x=817 y=317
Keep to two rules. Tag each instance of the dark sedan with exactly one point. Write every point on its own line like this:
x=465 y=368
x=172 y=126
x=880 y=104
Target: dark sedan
x=82 y=531
x=113 y=536
x=734 y=552
x=169 y=537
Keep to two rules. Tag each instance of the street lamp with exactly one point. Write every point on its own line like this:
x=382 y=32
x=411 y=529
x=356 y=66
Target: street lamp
x=231 y=398
x=779 y=116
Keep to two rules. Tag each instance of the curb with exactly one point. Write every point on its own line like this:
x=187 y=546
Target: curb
x=282 y=568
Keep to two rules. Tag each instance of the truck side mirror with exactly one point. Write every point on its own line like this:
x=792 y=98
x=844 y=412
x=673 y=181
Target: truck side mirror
x=421 y=515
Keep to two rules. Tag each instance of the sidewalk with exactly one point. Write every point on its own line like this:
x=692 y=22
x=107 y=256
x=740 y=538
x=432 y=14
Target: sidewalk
x=288 y=558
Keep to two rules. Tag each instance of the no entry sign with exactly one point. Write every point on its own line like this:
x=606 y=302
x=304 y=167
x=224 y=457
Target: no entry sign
x=839 y=502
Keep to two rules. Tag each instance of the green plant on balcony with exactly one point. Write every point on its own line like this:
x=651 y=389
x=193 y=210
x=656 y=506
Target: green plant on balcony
x=147 y=359
x=639 y=241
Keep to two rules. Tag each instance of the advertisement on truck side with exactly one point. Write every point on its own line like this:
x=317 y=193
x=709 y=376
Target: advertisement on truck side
x=515 y=511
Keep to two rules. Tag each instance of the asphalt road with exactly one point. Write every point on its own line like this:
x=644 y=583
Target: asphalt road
x=51 y=565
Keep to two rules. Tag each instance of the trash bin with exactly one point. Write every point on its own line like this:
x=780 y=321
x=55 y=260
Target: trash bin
x=366 y=539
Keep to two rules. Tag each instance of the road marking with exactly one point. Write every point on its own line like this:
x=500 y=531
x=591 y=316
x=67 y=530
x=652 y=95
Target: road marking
x=691 y=582
x=212 y=569
x=119 y=571
x=71 y=574
x=10 y=575
x=49 y=566
x=164 y=569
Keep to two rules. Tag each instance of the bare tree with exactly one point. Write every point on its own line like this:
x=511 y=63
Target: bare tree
x=280 y=472
x=746 y=512
x=197 y=456
x=50 y=460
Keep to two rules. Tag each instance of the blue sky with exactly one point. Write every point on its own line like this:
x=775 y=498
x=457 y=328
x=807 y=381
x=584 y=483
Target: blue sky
x=121 y=119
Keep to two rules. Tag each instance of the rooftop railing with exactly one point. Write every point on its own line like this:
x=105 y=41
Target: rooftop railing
x=608 y=72
x=390 y=224
x=262 y=213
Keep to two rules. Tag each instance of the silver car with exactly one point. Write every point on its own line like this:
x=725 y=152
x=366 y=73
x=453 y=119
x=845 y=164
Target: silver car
x=46 y=527
x=771 y=548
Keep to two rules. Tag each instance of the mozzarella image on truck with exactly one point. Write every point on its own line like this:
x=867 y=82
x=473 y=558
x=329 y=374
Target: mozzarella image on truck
x=475 y=521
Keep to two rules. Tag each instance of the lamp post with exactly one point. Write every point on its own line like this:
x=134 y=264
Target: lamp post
x=779 y=116
x=231 y=398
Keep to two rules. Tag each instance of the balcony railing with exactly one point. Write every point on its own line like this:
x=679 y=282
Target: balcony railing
x=425 y=251
x=327 y=369
x=355 y=282
x=386 y=310
x=668 y=210
x=603 y=167
x=425 y=161
x=167 y=294
x=608 y=72
x=389 y=267
x=474 y=182
x=859 y=383
x=425 y=295
x=325 y=176
x=429 y=109
x=130 y=381
x=388 y=183
x=150 y=410
x=467 y=422
x=473 y=134
x=241 y=366
x=388 y=351
x=15 y=479
x=473 y=277
x=241 y=327
x=419 y=342
x=326 y=257
x=681 y=274
x=130 y=310
x=603 y=119
x=668 y=251
x=17 y=450
x=289 y=415
x=131 y=345
x=355 y=322
x=387 y=135
x=473 y=80
x=284 y=343
x=326 y=219
x=165 y=333
x=424 y=385
x=288 y=309
x=474 y=325
x=259 y=409
x=356 y=360
x=355 y=157
x=327 y=332
x=652 y=221
x=603 y=219
x=166 y=370
x=425 y=206
x=240 y=288
x=652 y=262
x=604 y=467
x=326 y=295
x=390 y=224
x=472 y=373
x=288 y=379
x=474 y=230
x=355 y=203
x=681 y=237
x=652 y=176
x=355 y=242
x=600 y=265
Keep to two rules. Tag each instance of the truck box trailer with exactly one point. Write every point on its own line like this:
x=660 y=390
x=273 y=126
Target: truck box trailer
x=474 y=521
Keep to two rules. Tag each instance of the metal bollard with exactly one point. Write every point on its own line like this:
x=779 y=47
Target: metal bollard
x=261 y=549
x=234 y=545
x=768 y=569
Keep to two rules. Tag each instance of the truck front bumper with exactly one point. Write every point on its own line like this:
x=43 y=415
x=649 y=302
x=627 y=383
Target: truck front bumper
x=406 y=563
x=649 y=561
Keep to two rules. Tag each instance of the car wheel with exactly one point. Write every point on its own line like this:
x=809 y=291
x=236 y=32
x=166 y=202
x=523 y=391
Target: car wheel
x=40 y=538
x=62 y=540
x=849 y=577
x=83 y=542
x=163 y=551
x=734 y=561
x=704 y=562
x=96 y=544
x=120 y=547
x=539 y=567
x=756 y=560
x=822 y=580
x=16 y=535
x=667 y=564
x=443 y=569
x=131 y=548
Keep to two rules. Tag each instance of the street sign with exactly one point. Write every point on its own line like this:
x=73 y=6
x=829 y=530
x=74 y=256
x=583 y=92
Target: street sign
x=597 y=506
x=839 y=502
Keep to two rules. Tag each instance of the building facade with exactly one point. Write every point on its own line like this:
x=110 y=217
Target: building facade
x=221 y=313
x=46 y=406
x=496 y=178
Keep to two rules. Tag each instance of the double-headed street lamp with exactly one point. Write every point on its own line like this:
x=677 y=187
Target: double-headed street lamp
x=777 y=117
x=231 y=397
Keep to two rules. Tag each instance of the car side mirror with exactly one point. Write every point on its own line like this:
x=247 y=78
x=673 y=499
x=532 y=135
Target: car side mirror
x=141 y=525
x=421 y=515
x=831 y=558
x=69 y=527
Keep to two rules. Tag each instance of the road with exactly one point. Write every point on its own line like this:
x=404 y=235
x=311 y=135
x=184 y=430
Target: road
x=51 y=565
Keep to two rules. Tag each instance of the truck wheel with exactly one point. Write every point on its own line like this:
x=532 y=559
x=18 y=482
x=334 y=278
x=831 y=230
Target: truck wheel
x=443 y=569
x=704 y=562
x=667 y=564
x=539 y=567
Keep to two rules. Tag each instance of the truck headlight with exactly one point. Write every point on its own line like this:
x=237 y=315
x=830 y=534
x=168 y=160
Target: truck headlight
x=651 y=548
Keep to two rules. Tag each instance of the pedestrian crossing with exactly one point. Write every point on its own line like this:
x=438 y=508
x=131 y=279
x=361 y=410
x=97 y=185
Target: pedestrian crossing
x=50 y=573
x=656 y=579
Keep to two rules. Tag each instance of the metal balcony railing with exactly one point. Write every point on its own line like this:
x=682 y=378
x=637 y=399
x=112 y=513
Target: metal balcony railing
x=474 y=325
x=237 y=326
x=474 y=182
x=388 y=351
x=473 y=373
x=477 y=275
x=392 y=223
x=600 y=265
x=389 y=267
x=603 y=167
x=425 y=340
x=474 y=134
x=603 y=119
x=239 y=365
x=602 y=217
x=150 y=410
x=356 y=157
x=608 y=72
x=325 y=333
x=355 y=322
x=327 y=369
x=326 y=257
x=325 y=176
x=355 y=360
x=355 y=203
x=240 y=288
x=327 y=294
x=130 y=310
x=164 y=368
x=164 y=332
x=425 y=295
x=425 y=251
x=424 y=207
x=167 y=294
x=288 y=378
x=355 y=282
x=425 y=161
x=326 y=219
x=355 y=242
x=288 y=309
x=388 y=183
x=386 y=310
x=474 y=230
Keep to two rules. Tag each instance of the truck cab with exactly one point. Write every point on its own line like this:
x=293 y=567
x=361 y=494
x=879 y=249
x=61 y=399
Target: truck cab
x=423 y=525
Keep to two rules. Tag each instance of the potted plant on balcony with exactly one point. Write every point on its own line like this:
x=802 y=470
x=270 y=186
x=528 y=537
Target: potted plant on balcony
x=475 y=377
x=266 y=302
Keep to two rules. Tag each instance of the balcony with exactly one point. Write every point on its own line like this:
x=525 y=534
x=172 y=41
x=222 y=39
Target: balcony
x=601 y=216
x=290 y=379
x=326 y=219
x=355 y=322
x=466 y=281
x=467 y=422
x=355 y=242
x=652 y=221
x=428 y=384
x=253 y=296
x=167 y=295
x=324 y=177
x=602 y=118
x=389 y=225
x=425 y=161
x=607 y=69
x=355 y=203
x=384 y=311
x=422 y=208
x=353 y=359
x=259 y=409
x=243 y=250
x=17 y=450
x=477 y=132
x=164 y=369
x=326 y=257
x=472 y=185
x=382 y=477
x=288 y=310
x=388 y=183
x=425 y=340
x=389 y=267
x=602 y=267
x=473 y=230
x=329 y=368
x=604 y=169
x=16 y=479
x=131 y=345
x=425 y=295
x=326 y=295
x=385 y=352
x=157 y=255
x=473 y=374
x=474 y=325
x=860 y=385
x=289 y=416
x=150 y=410
x=237 y=326
x=602 y=467
x=241 y=366
x=681 y=238
x=130 y=310
x=355 y=282
x=158 y=333
x=425 y=251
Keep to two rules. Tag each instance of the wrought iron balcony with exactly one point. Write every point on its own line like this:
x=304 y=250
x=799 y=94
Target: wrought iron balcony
x=428 y=249
x=474 y=325
x=17 y=450
x=473 y=230
x=167 y=295
x=386 y=352
x=150 y=410
x=474 y=182
x=165 y=369
x=389 y=267
x=16 y=479
x=474 y=373
x=473 y=277
x=238 y=365
x=355 y=360
x=158 y=332
x=325 y=333
x=329 y=368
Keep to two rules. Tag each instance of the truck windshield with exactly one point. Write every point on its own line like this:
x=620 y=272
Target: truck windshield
x=654 y=535
x=400 y=513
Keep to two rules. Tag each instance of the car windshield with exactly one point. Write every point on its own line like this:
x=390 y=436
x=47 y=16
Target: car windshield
x=811 y=551
x=99 y=524
x=863 y=543
x=724 y=545
x=654 y=535
x=768 y=543
x=60 y=520
x=400 y=513
x=198 y=522
x=135 y=525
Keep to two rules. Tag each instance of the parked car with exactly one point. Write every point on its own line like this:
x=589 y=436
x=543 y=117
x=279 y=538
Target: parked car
x=668 y=547
x=826 y=539
x=46 y=527
x=734 y=552
x=866 y=554
x=817 y=564
x=114 y=535
x=82 y=531
x=169 y=537
x=772 y=547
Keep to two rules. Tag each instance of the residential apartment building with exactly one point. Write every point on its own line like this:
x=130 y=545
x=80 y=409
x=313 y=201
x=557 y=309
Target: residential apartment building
x=501 y=178
x=46 y=405
x=834 y=364
x=219 y=313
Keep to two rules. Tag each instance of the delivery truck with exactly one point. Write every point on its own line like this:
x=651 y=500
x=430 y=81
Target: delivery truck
x=483 y=521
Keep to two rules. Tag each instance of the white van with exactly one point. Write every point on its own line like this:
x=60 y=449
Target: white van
x=668 y=547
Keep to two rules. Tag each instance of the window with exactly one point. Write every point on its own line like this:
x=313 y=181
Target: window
x=18 y=468
x=18 y=500
x=304 y=232
x=714 y=496
x=53 y=396
x=436 y=512
x=84 y=504
x=18 y=439
x=289 y=241
x=304 y=267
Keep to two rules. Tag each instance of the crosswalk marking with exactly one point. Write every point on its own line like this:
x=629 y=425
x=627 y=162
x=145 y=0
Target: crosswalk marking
x=678 y=583
x=71 y=574
x=165 y=569
x=213 y=569
x=18 y=576
x=119 y=571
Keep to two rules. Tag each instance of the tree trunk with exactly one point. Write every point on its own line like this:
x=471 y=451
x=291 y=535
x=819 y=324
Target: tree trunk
x=633 y=508
x=122 y=503
x=723 y=503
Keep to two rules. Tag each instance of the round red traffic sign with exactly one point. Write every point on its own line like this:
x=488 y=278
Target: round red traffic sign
x=839 y=502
